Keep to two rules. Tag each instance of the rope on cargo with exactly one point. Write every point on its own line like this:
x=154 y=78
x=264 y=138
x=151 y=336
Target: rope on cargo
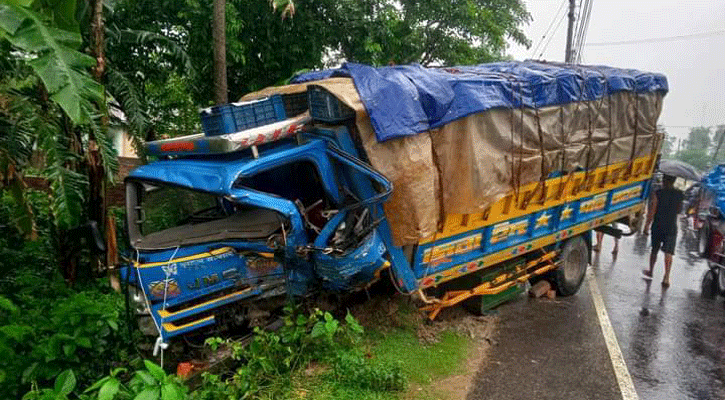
x=578 y=78
x=544 y=171
x=562 y=140
x=609 y=119
x=656 y=138
x=516 y=172
x=634 y=138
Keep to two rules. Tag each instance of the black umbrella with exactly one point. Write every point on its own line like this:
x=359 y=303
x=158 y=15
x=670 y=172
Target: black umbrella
x=680 y=169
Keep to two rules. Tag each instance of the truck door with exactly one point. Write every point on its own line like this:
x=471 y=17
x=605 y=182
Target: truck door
x=349 y=250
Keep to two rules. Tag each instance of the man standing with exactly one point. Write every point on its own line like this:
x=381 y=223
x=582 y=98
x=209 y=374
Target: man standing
x=666 y=203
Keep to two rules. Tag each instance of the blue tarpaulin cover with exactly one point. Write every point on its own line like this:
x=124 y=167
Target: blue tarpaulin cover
x=715 y=181
x=408 y=99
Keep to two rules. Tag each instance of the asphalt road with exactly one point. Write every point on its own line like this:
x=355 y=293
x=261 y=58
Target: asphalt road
x=672 y=341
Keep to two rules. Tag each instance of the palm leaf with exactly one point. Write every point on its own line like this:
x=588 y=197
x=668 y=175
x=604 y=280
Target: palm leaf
x=55 y=59
x=108 y=154
x=158 y=43
x=16 y=144
x=68 y=187
x=126 y=93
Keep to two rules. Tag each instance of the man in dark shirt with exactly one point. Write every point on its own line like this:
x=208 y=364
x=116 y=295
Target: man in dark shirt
x=667 y=203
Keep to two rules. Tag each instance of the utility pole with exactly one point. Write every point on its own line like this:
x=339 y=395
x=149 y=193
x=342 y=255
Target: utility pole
x=570 y=32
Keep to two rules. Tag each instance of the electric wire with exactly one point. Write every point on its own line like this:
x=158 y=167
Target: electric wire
x=583 y=27
x=579 y=27
x=586 y=30
x=553 y=34
x=660 y=39
x=551 y=24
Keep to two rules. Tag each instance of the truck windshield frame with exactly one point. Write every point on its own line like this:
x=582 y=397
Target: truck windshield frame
x=162 y=215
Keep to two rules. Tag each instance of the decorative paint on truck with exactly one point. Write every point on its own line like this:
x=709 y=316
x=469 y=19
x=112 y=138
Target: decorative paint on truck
x=226 y=228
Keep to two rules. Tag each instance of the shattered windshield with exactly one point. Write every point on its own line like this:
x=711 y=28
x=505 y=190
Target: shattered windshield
x=162 y=216
x=165 y=207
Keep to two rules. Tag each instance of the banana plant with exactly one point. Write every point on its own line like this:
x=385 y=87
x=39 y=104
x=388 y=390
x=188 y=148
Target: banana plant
x=63 y=111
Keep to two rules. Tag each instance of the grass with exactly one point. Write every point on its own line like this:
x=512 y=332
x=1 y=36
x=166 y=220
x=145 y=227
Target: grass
x=421 y=364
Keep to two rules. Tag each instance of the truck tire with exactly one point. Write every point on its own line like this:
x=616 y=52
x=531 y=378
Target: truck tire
x=709 y=283
x=703 y=239
x=574 y=258
x=720 y=280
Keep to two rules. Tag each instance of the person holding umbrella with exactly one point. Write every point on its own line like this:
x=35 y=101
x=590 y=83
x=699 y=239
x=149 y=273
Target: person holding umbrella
x=666 y=205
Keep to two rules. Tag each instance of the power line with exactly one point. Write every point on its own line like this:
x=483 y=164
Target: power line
x=585 y=16
x=533 y=53
x=659 y=39
x=563 y=16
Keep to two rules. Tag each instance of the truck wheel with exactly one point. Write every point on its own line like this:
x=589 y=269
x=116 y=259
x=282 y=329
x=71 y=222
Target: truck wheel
x=720 y=280
x=703 y=239
x=709 y=283
x=570 y=274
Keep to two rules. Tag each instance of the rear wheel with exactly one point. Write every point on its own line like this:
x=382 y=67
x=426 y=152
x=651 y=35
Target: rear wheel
x=574 y=259
x=720 y=280
x=709 y=283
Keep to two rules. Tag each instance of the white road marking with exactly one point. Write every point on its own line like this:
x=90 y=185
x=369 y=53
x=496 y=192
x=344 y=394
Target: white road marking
x=626 y=386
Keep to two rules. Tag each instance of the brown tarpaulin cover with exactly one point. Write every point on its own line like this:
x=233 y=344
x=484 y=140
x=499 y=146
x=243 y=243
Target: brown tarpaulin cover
x=466 y=165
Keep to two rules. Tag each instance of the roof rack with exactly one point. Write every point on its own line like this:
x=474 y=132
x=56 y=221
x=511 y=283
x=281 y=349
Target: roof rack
x=199 y=144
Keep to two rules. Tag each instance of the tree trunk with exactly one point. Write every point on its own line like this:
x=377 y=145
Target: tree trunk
x=220 y=52
x=96 y=204
x=97 y=186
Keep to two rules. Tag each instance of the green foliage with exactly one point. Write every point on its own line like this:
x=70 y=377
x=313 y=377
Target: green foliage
x=263 y=49
x=149 y=383
x=698 y=158
x=353 y=370
x=46 y=327
x=430 y=32
x=699 y=150
x=50 y=105
x=64 y=385
x=68 y=186
x=271 y=359
x=669 y=146
x=172 y=112
x=54 y=329
x=422 y=363
x=52 y=54
x=698 y=139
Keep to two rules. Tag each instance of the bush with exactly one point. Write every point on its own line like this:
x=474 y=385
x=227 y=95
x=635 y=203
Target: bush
x=270 y=360
x=46 y=327
x=46 y=331
x=149 y=383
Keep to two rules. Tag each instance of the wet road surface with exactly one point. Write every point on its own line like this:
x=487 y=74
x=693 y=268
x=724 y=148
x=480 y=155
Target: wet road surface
x=672 y=340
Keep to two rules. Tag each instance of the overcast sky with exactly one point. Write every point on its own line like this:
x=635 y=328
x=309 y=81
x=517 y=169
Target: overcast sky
x=695 y=66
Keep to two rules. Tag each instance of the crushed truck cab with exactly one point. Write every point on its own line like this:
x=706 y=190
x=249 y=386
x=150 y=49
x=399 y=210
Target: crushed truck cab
x=460 y=198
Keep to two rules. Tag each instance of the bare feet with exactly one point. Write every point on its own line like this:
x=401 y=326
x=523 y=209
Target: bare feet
x=647 y=274
x=665 y=284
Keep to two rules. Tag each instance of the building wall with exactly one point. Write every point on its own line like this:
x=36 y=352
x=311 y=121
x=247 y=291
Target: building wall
x=116 y=195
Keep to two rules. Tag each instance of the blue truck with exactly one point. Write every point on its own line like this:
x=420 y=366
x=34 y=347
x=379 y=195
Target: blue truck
x=459 y=184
